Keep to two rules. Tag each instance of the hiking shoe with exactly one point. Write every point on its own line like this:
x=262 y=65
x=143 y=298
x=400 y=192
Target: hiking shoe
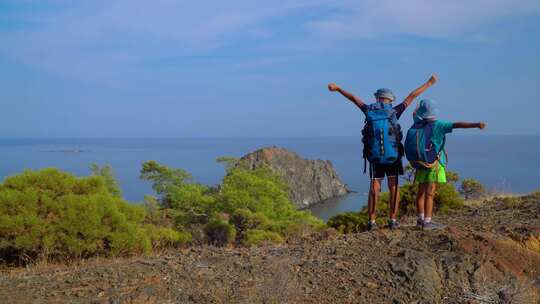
x=433 y=226
x=393 y=224
x=371 y=226
x=420 y=223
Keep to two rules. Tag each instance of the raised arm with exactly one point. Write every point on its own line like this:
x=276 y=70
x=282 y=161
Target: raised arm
x=357 y=101
x=469 y=125
x=431 y=81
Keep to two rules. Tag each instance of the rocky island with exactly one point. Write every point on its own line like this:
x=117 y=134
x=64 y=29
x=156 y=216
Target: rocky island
x=310 y=181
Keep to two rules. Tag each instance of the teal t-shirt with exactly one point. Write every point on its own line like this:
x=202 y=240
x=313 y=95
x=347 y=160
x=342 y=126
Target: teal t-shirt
x=440 y=129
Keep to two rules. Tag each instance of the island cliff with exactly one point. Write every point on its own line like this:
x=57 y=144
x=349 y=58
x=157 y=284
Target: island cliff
x=310 y=181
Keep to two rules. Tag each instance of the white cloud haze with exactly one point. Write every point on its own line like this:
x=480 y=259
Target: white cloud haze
x=101 y=40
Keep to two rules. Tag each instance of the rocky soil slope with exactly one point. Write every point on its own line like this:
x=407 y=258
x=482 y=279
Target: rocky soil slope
x=487 y=254
x=310 y=181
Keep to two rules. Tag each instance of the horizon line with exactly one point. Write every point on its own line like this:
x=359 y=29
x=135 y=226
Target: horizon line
x=235 y=137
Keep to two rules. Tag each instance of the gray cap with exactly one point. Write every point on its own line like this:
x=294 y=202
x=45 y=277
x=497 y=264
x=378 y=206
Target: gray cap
x=385 y=93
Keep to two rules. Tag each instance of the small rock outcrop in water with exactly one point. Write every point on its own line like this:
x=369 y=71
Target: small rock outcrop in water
x=310 y=181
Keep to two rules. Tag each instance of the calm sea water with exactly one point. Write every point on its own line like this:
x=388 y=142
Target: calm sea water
x=501 y=163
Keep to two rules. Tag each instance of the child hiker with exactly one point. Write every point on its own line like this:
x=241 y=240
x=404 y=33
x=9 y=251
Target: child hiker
x=382 y=144
x=424 y=148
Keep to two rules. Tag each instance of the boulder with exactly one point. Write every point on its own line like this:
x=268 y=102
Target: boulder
x=310 y=181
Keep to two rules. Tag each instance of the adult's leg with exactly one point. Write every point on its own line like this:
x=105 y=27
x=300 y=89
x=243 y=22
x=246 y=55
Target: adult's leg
x=430 y=194
x=394 y=196
x=374 y=190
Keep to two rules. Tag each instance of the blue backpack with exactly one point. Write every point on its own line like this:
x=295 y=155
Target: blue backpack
x=419 y=149
x=381 y=135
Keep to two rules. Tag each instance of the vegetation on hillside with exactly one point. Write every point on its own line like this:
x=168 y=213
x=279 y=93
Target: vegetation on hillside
x=49 y=214
x=249 y=207
x=472 y=189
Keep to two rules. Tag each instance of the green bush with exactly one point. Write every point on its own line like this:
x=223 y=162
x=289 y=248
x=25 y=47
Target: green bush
x=163 y=180
x=452 y=177
x=50 y=213
x=510 y=201
x=164 y=237
x=246 y=199
x=407 y=195
x=220 y=232
x=447 y=198
x=108 y=175
x=471 y=189
x=244 y=220
x=349 y=222
x=265 y=195
x=257 y=237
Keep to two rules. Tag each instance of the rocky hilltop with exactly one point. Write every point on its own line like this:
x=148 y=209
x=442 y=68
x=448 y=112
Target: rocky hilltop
x=487 y=254
x=310 y=181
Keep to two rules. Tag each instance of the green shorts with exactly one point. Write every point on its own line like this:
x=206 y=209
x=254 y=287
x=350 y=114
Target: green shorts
x=431 y=175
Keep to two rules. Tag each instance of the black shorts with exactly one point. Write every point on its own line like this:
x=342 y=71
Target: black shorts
x=378 y=171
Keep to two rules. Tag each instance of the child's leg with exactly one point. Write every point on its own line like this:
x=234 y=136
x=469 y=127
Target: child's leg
x=420 y=200
x=394 y=191
x=430 y=194
x=374 y=190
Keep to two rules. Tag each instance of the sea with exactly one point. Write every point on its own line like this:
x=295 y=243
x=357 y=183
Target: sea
x=504 y=164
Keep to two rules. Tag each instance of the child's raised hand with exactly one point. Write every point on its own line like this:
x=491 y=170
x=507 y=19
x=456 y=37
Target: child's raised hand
x=481 y=125
x=433 y=79
x=333 y=87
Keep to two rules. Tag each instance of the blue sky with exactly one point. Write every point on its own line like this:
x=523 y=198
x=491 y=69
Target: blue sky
x=260 y=68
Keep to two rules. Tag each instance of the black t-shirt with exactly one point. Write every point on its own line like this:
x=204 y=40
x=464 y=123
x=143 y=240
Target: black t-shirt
x=400 y=108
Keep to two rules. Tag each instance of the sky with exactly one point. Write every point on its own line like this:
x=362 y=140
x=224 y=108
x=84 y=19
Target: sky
x=162 y=68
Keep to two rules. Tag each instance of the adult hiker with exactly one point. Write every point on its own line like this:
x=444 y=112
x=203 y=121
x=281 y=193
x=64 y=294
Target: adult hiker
x=424 y=148
x=382 y=144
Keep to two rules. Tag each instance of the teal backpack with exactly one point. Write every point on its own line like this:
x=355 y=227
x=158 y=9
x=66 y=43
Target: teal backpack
x=419 y=149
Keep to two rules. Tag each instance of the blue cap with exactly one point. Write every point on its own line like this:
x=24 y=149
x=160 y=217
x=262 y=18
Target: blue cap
x=427 y=109
x=385 y=93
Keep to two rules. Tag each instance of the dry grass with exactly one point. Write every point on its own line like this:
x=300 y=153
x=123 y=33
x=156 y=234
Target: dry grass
x=488 y=198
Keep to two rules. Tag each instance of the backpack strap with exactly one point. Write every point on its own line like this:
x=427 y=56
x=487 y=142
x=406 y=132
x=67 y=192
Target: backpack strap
x=365 y=163
x=443 y=150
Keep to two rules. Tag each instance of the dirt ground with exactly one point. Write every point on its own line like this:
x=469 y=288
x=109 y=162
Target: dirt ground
x=487 y=254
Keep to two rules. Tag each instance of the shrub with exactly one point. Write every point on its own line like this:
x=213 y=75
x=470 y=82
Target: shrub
x=258 y=237
x=245 y=220
x=452 y=177
x=163 y=179
x=447 y=198
x=264 y=194
x=349 y=222
x=52 y=214
x=471 y=189
x=510 y=201
x=253 y=199
x=259 y=190
x=108 y=175
x=407 y=195
x=163 y=237
x=220 y=232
